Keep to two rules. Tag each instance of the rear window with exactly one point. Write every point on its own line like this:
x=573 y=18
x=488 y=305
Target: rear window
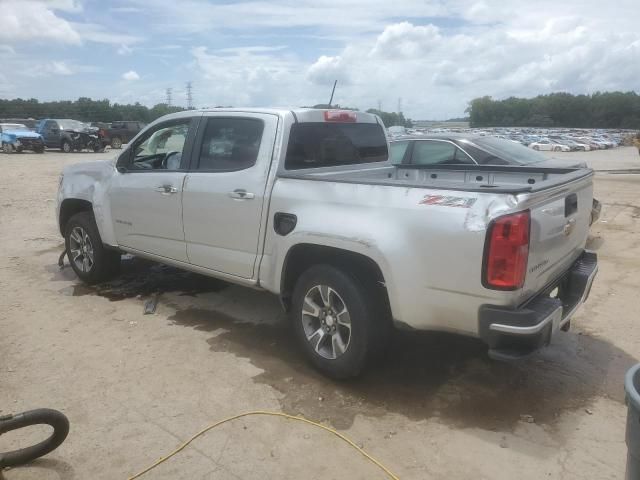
x=496 y=151
x=314 y=145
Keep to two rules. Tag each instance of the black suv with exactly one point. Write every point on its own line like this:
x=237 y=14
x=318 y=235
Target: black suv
x=122 y=132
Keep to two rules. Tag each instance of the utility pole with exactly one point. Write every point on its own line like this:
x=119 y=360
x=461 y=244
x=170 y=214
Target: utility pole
x=399 y=105
x=169 y=90
x=379 y=105
x=189 y=96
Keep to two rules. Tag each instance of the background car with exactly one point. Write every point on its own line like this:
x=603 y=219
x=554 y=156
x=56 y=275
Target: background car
x=549 y=145
x=460 y=149
x=119 y=133
x=16 y=137
x=69 y=135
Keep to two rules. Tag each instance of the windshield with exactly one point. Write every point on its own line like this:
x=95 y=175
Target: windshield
x=71 y=125
x=15 y=127
x=508 y=151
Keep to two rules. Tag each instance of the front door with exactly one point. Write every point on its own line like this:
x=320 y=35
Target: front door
x=146 y=194
x=224 y=191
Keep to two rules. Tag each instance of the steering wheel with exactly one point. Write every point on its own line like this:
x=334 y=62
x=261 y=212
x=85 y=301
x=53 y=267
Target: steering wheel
x=167 y=158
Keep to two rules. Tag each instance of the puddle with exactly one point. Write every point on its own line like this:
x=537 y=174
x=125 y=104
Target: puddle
x=427 y=375
x=139 y=277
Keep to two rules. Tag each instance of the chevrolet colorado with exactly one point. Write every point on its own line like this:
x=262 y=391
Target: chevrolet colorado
x=305 y=204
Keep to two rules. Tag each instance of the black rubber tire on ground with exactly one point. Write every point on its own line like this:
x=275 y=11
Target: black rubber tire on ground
x=556 y=149
x=41 y=416
x=116 y=142
x=106 y=262
x=7 y=148
x=66 y=146
x=536 y=147
x=369 y=327
x=39 y=150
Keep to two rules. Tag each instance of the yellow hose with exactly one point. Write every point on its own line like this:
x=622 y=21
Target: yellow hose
x=273 y=414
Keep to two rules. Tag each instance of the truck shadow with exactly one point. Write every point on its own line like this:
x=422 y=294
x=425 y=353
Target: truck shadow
x=427 y=375
x=423 y=375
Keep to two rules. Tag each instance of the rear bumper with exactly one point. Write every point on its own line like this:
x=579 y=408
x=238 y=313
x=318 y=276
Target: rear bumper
x=513 y=333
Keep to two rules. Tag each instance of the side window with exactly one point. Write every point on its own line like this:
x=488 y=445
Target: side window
x=161 y=148
x=427 y=152
x=397 y=151
x=230 y=144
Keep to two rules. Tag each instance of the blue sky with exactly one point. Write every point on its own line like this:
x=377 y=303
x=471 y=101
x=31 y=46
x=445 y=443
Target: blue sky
x=434 y=54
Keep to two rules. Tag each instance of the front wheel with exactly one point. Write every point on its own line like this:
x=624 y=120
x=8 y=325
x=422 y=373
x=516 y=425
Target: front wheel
x=90 y=260
x=336 y=320
x=556 y=149
x=7 y=148
x=66 y=146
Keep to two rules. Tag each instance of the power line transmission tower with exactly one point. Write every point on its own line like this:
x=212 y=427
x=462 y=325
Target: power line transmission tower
x=169 y=91
x=189 y=95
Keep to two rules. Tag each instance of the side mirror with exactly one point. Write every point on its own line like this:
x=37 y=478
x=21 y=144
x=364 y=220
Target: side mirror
x=123 y=161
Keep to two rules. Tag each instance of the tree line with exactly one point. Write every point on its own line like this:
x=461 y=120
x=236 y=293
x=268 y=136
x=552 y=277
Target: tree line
x=88 y=110
x=83 y=109
x=599 y=110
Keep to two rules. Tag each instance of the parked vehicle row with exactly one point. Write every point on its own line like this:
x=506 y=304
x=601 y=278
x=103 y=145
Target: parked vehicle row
x=65 y=134
x=552 y=139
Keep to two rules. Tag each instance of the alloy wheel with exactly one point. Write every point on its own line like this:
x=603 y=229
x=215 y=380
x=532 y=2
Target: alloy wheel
x=326 y=322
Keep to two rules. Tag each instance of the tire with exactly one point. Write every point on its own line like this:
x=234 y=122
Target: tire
x=7 y=148
x=338 y=344
x=90 y=260
x=41 y=416
x=66 y=146
x=536 y=147
x=116 y=142
x=556 y=149
x=39 y=150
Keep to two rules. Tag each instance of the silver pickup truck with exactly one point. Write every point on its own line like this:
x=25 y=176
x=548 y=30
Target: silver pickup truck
x=305 y=204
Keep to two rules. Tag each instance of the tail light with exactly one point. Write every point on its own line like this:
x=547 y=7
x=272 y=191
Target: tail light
x=506 y=252
x=344 y=116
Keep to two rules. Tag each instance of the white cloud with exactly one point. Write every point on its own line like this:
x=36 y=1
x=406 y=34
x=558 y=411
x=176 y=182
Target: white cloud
x=130 y=76
x=35 y=20
x=124 y=50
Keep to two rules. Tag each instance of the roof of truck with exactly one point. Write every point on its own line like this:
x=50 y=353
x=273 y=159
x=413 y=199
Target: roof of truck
x=300 y=114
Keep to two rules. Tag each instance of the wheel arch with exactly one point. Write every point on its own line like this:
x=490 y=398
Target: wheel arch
x=301 y=256
x=69 y=207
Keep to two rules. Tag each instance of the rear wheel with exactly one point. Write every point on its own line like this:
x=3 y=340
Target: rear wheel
x=66 y=146
x=7 y=148
x=90 y=260
x=116 y=142
x=557 y=149
x=536 y=147
x=337 y=321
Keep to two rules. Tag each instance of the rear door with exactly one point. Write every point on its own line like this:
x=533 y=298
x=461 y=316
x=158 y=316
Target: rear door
x=224 y=192
x=51 y=134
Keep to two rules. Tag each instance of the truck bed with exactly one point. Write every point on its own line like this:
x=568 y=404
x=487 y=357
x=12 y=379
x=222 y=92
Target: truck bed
x=468 y=178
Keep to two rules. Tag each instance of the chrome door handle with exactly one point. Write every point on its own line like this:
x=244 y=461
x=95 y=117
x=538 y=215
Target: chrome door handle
x=166 y=189
x=240 y=194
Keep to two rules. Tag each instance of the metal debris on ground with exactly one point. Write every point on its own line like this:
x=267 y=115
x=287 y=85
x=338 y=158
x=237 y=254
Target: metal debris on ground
x=151 y=304
x=61 y=259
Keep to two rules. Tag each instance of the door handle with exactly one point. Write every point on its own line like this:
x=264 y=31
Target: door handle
x=241 y=194
x=166 y=189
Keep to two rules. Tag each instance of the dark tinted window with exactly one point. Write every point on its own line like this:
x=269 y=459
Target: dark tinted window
x=230 y=144
x=497 y=151
x=313 y=145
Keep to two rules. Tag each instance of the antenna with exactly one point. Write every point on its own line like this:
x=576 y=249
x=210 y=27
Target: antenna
x=189 y=96
x=332 y=92
x=169 y=90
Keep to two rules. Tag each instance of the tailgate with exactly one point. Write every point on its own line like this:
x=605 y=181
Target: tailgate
x=559 y=229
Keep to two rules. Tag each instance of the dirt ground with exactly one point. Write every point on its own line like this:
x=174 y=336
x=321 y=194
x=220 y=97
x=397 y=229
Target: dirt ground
x=135 y=386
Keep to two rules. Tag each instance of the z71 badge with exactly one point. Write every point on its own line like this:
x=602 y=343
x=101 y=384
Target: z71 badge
x=447 y=201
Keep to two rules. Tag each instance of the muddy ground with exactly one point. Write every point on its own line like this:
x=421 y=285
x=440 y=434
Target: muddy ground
x=134 y=386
